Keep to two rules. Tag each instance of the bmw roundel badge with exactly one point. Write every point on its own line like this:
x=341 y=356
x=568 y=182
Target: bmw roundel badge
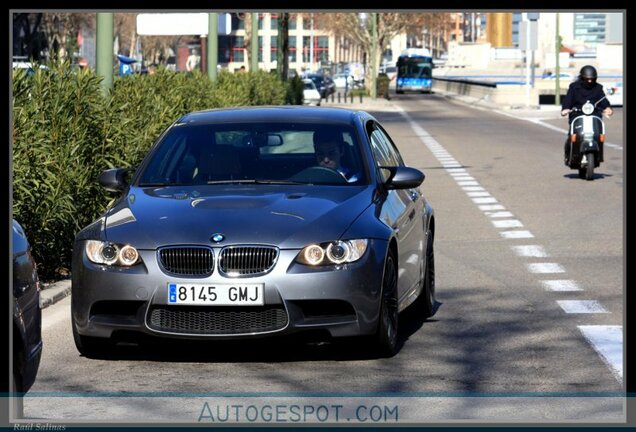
x=218 y=237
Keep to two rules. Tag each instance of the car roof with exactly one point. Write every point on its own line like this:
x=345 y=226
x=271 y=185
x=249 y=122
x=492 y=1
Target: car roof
x=273 y=114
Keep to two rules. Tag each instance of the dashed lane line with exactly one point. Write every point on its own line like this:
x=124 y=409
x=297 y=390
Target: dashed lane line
x=561 y=285
x=581 y=306
x=606 y=340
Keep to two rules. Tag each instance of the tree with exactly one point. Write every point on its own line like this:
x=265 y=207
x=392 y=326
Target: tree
x=282 y=63
x=61 y=31
x=28 y=39
x=388 y=25
x=125 y=31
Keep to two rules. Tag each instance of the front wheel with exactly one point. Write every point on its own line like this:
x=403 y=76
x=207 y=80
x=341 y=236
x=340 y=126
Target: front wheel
x=387 y=333
x=428 y=293
x=589 y=174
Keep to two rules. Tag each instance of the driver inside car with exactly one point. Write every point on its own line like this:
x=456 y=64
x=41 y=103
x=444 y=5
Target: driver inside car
x=330 y=149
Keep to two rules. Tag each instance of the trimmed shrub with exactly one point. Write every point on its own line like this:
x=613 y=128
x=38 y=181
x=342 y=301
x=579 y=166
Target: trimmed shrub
x=66 y=131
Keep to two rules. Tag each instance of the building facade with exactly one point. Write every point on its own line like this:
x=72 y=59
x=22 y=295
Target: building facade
x=310 y=47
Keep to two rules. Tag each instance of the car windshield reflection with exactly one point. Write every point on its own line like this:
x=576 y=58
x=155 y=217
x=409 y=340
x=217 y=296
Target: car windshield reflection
x=209 y=154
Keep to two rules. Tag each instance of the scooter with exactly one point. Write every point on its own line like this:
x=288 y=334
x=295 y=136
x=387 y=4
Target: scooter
x=587 y=135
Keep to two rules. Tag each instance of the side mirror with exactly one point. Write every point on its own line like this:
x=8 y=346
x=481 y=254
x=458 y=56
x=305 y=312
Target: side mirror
x=403 y=177
x=115 y=179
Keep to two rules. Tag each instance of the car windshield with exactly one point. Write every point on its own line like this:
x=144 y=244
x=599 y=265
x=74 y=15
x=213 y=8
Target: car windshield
x=197 y=154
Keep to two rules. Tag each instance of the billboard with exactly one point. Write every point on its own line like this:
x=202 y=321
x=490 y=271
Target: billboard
x=172 y=24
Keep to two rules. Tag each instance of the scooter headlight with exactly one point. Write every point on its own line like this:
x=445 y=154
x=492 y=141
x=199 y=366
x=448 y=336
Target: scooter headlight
x=587 y=108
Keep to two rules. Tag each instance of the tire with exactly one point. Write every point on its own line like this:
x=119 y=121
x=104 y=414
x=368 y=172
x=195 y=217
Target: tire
x=589 y=174
x=387 y=333
x=582 y=172
x=399 y=92
x=426 y=299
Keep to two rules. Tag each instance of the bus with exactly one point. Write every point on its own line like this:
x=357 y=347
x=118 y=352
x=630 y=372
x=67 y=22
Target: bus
x=414 y=71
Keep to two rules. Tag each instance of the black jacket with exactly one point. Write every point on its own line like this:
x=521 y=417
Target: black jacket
x=577 y=95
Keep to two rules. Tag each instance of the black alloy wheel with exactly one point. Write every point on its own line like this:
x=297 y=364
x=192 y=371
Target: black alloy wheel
x=387 y=333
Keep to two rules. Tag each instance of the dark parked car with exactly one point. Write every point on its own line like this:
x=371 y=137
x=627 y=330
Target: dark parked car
x=324 y=84
x=27 y=315
x=254 y=222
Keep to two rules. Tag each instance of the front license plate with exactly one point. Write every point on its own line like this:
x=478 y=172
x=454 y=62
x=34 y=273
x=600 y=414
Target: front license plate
x=216 y=294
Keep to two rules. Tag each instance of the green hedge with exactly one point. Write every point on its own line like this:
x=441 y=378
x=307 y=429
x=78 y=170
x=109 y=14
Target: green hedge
x=66 y=131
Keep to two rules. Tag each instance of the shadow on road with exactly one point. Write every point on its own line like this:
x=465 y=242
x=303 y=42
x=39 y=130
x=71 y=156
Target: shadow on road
x=597 y=176
x=293 y=348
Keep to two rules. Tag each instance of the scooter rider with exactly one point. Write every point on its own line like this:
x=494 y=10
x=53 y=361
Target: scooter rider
x=580 y=91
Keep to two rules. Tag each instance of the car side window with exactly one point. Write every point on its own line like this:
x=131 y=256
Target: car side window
x=383 y=150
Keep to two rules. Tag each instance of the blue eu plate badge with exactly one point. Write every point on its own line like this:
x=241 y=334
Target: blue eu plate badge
x=172 y=293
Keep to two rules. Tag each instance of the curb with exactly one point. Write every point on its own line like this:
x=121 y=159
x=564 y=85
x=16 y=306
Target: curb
x=54 y=293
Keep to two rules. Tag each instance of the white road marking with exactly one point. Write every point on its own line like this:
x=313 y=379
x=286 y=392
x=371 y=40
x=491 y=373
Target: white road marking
x=507 y=223
x=484 y=200
x=473 y=188
x=607 y=341
x=530 y=251
x=545 y=268
x=491 y=207
x=561 y=285
x=468 y=183
x=516 y=234
x=478 y=194
x=581 y=306
x=498 y=214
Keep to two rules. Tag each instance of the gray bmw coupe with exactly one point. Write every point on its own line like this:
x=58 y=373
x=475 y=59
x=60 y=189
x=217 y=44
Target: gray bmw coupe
x=254 y=222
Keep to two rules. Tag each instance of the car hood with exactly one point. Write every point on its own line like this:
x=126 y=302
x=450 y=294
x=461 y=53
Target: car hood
x=256 y=214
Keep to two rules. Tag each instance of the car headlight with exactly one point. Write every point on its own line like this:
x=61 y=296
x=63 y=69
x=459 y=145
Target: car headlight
x=335 y=252
x=101 y=252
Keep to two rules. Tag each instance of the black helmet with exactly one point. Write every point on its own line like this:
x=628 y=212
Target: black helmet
x=588 y=72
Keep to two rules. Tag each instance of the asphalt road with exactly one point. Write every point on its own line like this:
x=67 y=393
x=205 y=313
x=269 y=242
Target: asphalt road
x=515 y=337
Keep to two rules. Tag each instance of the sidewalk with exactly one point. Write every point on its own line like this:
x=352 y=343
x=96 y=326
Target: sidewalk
x=53 y=293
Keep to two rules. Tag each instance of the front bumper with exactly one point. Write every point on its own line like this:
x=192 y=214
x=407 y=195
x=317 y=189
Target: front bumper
x=343 y=300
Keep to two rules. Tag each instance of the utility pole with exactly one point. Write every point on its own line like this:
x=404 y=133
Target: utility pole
x=254 y=44
x=311 y=42
x=374 y=44
x=557 y=70
x=104 y=45
x=213 y=44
